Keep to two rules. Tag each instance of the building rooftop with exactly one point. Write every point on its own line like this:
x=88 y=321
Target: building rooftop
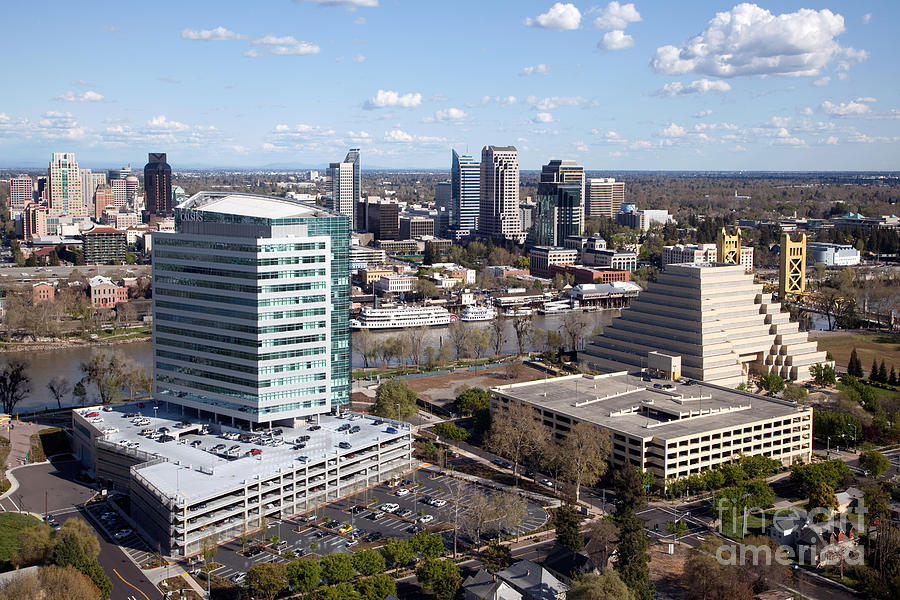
x=658 y=408
x=251 y=205
x=196 y=473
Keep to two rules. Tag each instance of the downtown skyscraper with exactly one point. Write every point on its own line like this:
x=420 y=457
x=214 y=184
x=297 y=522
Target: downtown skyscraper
x=345 y=186
x=498 y=215
x=65 y=186
x=465 y=186
x=158 y=185
x=559 y=211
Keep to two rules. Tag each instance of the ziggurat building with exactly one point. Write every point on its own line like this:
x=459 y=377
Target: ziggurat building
x=716 y=319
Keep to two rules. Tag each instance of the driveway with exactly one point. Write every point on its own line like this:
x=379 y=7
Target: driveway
x=47 y=487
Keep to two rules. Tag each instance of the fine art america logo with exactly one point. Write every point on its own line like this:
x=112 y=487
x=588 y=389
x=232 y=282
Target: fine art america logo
x=817 y=537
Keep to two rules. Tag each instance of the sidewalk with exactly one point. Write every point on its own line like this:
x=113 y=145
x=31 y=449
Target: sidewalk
x=159 y=574
x=19 y=435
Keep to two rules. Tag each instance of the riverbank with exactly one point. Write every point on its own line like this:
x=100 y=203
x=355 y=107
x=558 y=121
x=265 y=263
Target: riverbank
x=142 y=334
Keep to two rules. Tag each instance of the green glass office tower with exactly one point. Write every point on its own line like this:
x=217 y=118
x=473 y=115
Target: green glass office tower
x=251 y=308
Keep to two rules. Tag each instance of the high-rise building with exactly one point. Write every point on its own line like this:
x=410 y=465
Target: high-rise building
x=65 y=186
x=379 y=217
x=34 y=221
x=603 y=197
x=559 y=210
x=120 y=190
x=21 y=192
x=344 y=186
x=158 y=184
x=251 y=309
x=87 y=188
x=465 y=185
x=499 y=194
x=443 y=193
x=104 y=199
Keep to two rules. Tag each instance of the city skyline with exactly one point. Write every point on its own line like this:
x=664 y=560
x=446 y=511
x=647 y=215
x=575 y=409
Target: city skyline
x=616 y=86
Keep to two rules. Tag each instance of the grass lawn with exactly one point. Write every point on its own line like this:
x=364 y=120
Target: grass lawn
x=4 y=453
x=869 y=346
x=10 y=526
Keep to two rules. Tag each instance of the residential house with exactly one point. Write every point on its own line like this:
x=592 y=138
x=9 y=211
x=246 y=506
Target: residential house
x=534 y=581
x=485 y=586
x=42 y=291
x=105 y=293
x=823 y=544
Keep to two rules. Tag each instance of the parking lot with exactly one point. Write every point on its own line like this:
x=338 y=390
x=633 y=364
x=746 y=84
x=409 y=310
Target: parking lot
x=656 y=519
x=313 y=537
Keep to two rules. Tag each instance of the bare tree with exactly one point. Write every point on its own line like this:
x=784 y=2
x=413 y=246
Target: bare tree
x=59 y=387
x=584 y=450
x=106 y=372
x=125 y=313
x=498 y=335
x=522 y=325
x=516 y=434
x=460 y=336
x=480 y=512
x=512 y=509
x=481 y=341
x=14 y=385
x=575 y=325
x=414 y=344
x=365 y=345
x=603 y=535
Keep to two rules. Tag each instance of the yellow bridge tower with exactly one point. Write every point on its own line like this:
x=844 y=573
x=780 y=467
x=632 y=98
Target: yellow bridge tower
x=792 y=274
x=728 y=247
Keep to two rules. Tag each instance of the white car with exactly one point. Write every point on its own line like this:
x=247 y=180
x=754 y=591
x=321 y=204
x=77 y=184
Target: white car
x=426 y=519
x=401 y=492
x=389 y=507
x=122 y=534
x=547 y=482
x=438 y=502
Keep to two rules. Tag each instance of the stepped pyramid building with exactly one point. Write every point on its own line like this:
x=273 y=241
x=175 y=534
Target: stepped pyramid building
x=720 y=324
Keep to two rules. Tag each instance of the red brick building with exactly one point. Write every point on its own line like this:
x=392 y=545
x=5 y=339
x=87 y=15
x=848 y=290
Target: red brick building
x=589 y=275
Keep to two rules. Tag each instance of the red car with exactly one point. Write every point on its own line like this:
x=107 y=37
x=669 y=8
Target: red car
x=92 y=414
x=255 y=452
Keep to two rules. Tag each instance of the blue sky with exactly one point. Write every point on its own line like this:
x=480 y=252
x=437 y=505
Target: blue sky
x=644 y=85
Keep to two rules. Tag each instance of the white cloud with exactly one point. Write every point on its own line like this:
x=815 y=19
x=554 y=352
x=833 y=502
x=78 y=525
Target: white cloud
x=552 y=102
x=450 y=114
x=616 y=40
x=702 y=113
x=701 y=86
x=672 y=130
x=359 y=58
x=501 y=100
x=87 y=96
x=640 y=145
x=543 y=117
x=286 y=45
x=540 y=69
x=822 y=82
x=400 y=136
x=387 y=98
x=161 y=123
x=347 y=3
x=360 y=20
x=617 y=16
x=581 y=147
x=749 y=40
x=866 y=18
x=831 y=140
x=560 y=16
x=210 y=35
x=854 y=108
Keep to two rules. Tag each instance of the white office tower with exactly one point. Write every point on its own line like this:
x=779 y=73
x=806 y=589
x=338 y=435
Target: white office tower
x=21 y=192
x=251 y=309
x=65 y=186
x=499 y=201
x=603 y=197
x=344 y=186
x=716 y=319
x=465 y=183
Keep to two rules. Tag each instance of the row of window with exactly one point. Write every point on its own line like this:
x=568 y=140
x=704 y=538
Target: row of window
x=221 y=364
x=215 y=389
x=164 y=341
x=227 y=339
x=247 y=289
x=224 y=404
x=280 y=274
x=262 y=303
x=240 y=260
x=235 y=247
x=250 y=383
x=284 y=327
x=237 y=314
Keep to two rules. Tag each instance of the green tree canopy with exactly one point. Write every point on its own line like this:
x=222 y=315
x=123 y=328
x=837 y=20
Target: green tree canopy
x=471 y=400
x=450 y=431
x=398 y=552
x=441 y=577
x=304 y=574
x=368 y=562
x=874 y=462
x=568 y=528
x=604 y=586
x=266 y=580
x=337 y=567
x=429 y=545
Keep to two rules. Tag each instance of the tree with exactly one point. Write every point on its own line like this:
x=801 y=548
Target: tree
x=496 y=557
x=266 y=579
x=429 y=545
x=59 y=388
x=480 y=341
x=575 y=325
x=398 y=552
x=378 y=587
x=677 y=528
x=568 y=528
x=425 y=288
x=414 y=343
x=877 y=503
x=604 y=586
x=874 y=462
x=392 y=393
x=49 y=582
x=522 y=325
x=472 y=399
x=432 y=255
x=105 y=371
x=771 y=382
x=892 y=379
x=450 y=431
x=304 y=574
x=585 y=452
x=441 y=577
x=516 y=434
x=368 y=562
x=15 y=385
x=35 y=546
x=365 y=344
x=79 y=392
x=337 y=567
x=629 y=489
x=82 y=534
x=854 y=367
x=460 y=336
x=823 y=375
x=209 y=548
x=632 y=562
x=882 y=372
x=480 y=512
x=873 y=373
x=498 y=335
x=602 y=537
x=341 y=591
x=832 y=473
x=822 y=497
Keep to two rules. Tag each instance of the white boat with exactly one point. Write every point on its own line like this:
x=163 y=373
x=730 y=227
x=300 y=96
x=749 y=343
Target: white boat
x=401 y=317
x=519 y=312
x=478 y=313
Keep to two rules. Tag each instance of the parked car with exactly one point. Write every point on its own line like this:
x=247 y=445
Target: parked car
x=124 y=533
x=425 y=519
x=345 y=445
x=401 y=492
x=345 y=528
x=391 y=430
x=390 y=507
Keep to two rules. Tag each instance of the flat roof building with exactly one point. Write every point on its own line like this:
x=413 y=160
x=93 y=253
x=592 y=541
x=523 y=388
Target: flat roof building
x=716 y=319
x=251 y=309
x=670 y=429
x=831 y=255
x=541 y=258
